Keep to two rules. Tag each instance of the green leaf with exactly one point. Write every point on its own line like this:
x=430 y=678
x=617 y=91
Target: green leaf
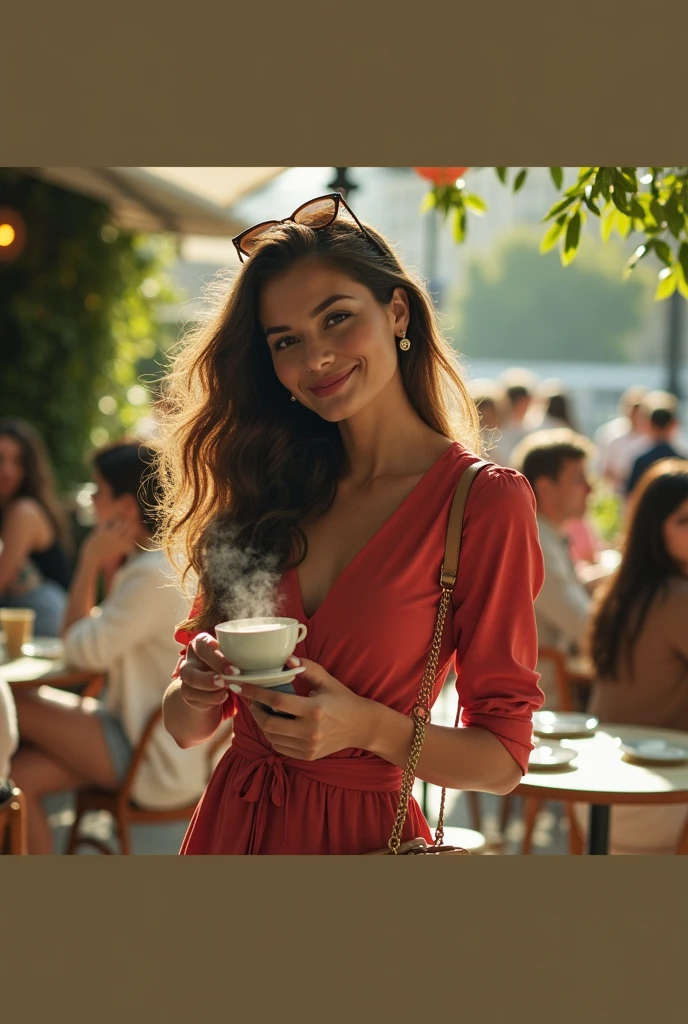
x=590 y=205
x=625 y=179
x=553 y=234
x=572 y=239
x=683 y=261
x=501 y=174
x=429 y=202
x=663 y=251
x=674 y=218
x=608 y=222
x=668 y=282
x=520 y=179
x=459 y=225
x=623 y=224
x=558 y=208
x=557 y=176
x=475 y=203
x=657 y=211
x=620 y=201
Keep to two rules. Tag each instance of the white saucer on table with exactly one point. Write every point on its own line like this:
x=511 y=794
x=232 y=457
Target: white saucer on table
x=276 y=677
x=563 y=724
x=654 y=751
x=550 y=755
x=43 y=647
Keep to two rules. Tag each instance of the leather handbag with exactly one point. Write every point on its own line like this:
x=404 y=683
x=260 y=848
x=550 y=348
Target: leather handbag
x=421 y=709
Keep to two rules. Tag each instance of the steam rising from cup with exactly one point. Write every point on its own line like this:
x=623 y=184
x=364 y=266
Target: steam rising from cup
x=246 y=583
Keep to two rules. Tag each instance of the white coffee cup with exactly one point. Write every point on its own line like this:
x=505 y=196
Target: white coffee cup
x=259 y=644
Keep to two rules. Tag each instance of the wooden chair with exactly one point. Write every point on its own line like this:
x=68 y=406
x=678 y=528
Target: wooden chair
x=120 y=804
x=13 y=820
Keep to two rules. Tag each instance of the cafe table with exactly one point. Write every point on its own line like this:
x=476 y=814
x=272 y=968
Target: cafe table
x=27 y=673
x=601 y=776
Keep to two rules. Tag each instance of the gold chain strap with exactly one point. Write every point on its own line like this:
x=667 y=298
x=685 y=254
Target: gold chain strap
x=421 y=709
x=421 y=718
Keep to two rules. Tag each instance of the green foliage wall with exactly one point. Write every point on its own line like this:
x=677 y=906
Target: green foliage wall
x=76 y=315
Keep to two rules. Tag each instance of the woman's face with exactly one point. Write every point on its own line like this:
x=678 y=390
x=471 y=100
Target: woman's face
x=675 y=531
x=11 y=467
x=333 y=345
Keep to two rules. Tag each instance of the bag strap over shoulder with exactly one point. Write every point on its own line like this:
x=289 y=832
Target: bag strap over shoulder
x=421 y=709
x=452 y=550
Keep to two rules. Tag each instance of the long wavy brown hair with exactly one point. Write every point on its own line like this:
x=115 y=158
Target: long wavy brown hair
x=236 y=452
x=645 y=570
x=38 y=481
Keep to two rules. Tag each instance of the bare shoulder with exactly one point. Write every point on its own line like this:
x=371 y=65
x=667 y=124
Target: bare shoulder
x=26 y=510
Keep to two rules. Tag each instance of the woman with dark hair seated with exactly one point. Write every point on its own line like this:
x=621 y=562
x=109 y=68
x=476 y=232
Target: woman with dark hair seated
x=639 y=643
x=34 y=538
x=69 y=742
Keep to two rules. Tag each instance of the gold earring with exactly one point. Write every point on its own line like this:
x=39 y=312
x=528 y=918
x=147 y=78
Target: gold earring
x=404 y=343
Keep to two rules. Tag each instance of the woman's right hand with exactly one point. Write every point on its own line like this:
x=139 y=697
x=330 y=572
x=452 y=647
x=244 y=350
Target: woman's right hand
x=201 y=685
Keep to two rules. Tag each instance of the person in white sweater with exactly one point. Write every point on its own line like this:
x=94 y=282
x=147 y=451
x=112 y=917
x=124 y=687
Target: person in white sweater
x=9 y=736
x=70 y=742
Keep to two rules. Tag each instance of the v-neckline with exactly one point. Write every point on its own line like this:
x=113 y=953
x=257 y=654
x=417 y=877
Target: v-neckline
x=362 y=550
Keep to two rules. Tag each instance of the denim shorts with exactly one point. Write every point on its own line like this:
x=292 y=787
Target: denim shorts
x=117 y=742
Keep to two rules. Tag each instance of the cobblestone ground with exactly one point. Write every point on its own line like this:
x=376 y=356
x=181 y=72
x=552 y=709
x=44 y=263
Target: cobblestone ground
x=550 y=836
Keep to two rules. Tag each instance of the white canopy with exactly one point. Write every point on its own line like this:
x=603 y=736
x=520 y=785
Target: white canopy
x=184 y=200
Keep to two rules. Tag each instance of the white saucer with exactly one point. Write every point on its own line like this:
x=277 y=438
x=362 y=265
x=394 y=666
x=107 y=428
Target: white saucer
x=551 y=755
x=274 y=678
x=43 y=647
x=563 y=724
x=655 y=751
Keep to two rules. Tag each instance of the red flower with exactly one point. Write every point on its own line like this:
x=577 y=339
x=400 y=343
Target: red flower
x=440 y=175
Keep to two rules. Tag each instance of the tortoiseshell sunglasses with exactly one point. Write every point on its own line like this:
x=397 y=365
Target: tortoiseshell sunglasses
x=316 y=213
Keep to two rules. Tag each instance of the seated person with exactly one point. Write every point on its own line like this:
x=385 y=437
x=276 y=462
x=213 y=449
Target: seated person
x=639 y=644
x=34 y=539
x=554 y=463
x=69 y=742
x=663 y=427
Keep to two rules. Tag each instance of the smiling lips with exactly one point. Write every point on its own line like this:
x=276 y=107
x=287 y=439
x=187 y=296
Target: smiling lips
x=330 y=385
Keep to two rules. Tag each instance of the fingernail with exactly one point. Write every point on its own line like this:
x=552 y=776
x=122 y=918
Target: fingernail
x=294 y=662
x=218 y=680
x=235 y=688
x=231 y=669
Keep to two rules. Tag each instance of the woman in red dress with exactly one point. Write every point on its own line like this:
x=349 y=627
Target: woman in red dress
x=306 y=423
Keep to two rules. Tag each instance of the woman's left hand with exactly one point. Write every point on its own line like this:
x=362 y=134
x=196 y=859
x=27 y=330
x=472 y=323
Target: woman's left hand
x=331 y=719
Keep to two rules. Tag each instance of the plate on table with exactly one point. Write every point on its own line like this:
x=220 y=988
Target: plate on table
x=564 y=724
x=43 y=647
x=654 y=751
x=550 y=755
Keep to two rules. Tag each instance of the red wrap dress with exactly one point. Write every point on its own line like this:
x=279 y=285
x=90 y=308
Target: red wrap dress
x=372 y=632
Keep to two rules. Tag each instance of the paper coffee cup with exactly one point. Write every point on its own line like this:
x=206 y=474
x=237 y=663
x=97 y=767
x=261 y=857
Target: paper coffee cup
x=17 y=625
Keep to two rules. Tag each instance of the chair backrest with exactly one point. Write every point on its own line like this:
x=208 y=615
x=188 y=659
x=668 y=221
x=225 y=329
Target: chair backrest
x=221 y=737
x=13 y=818
x=558 y=659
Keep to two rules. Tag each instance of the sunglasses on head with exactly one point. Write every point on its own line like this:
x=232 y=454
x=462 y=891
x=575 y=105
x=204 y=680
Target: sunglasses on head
x=316 y=213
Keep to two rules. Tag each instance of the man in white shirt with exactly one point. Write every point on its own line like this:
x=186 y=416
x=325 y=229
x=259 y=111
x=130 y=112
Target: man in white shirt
x=519 y=386
x=554 y=463
x=621 y=440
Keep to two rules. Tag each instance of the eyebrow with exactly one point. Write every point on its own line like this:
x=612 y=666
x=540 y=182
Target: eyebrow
x=320 y=308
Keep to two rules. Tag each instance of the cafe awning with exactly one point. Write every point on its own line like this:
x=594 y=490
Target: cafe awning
x=183 y=200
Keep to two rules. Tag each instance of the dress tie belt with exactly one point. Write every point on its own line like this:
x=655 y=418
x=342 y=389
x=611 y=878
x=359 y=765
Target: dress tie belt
x=262 y=777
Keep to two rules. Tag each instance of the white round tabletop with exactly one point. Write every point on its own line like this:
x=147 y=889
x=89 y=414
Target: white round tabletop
x=601 y=774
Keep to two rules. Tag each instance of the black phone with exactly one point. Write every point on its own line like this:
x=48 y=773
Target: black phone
x=284 y=688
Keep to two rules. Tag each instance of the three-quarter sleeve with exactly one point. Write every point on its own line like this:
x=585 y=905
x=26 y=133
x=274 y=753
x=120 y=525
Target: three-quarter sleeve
x=500 y=574
x=184 y=637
